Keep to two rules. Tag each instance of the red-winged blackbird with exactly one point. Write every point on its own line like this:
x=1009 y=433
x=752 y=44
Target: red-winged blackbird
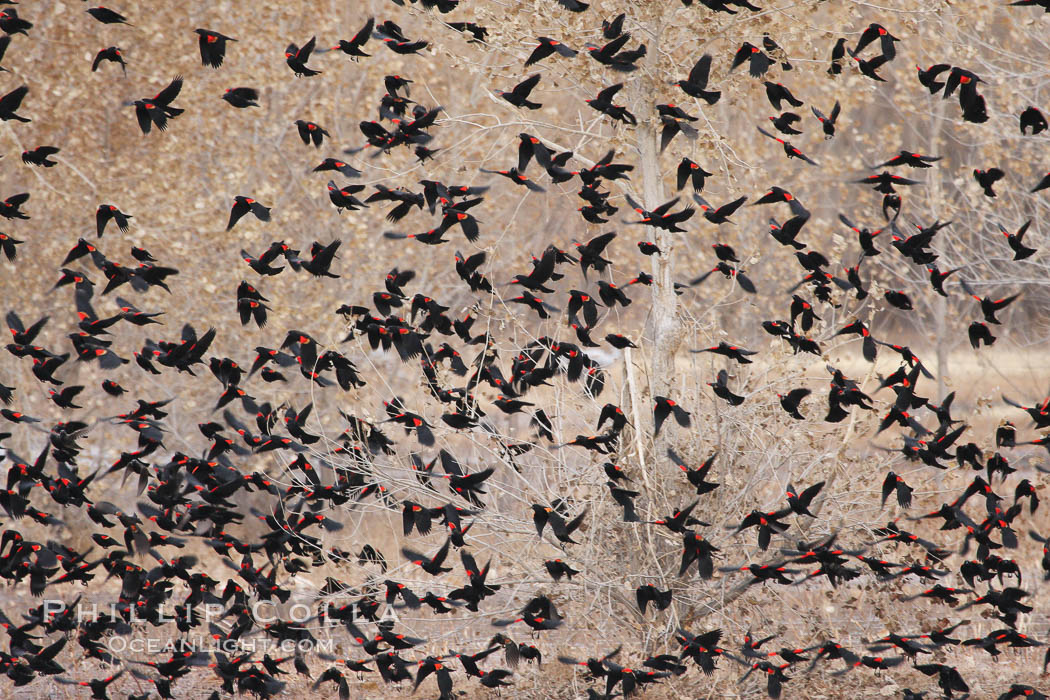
x=98 y=686
x=838 y=52
x=619 y=342
x=65 y=397
x=241 y=97
x=731 y=351
x=296 y=58
x=989 y=306
x=928 y=76
x=614 y=27
x=262 y=264
x=157 y=110
x=611 y=55
x=530 y=147
x=869 y=67
x=791 y=400
x=696 y=84
x=1016 y=241
x=11 y=23
x=519 y=94
x=8 y=245
x=611 y=295
x=729 y=272
x=892 y=483
x=898 y=299
x=336 y=164
x=690 y=172
x=344 y=198
x=1042 y=184
x=107 y=16
x=625 y=498
x=789 y=150
x=666 y=407
x=937 y=278
x=593 y=212
x=777 y=94
x=591 y=252
x=10 y=208
x=648 y=593
x=548 y=47
x=40 y=156
x=767 y=523
x=212 y=47
x=1032 y=118
x=987 y=179
x=912 y=160
x=799 y=502
x=352 y=48
x=557 y=569
x=308 y=131
x=662 y=217
x=783 y=123
x=516 y=177
x=390 y=34
x=603 y=103
x=10 y=102
x=696 y=476
x=477 y=32
x=885 y=182
x=979 y=333
x=721 y=214
x=562 y=529
x=106 y=213
x=827 y=123
x=758 y=62
x=112 y=54
x=680 y=519
x=878 y=32
x=242 y=205
x=432 y=565
x=721 y=389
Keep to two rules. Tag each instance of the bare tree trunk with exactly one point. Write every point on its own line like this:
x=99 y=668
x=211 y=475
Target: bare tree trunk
x=942 y=345
x=663 y=327
x=941 y=308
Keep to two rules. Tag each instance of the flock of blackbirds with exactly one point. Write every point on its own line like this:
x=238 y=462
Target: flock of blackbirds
x=187 y=500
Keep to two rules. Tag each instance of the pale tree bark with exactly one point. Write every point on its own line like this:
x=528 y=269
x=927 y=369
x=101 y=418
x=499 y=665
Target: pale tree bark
x=663 y=328
x=663 y=332
x=936 y=203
